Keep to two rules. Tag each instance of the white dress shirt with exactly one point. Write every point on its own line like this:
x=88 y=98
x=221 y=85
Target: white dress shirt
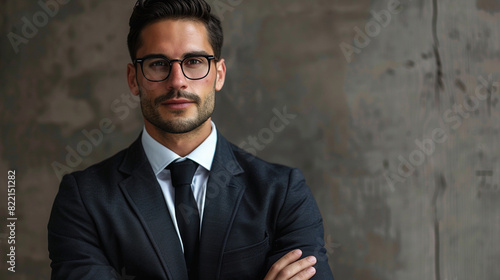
x=160 y=157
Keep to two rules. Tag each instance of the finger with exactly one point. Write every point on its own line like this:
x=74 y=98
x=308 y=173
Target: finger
x=284 y=261
x=295 y=268
x=305 y=274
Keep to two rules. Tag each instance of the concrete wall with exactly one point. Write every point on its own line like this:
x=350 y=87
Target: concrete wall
x=396 y=129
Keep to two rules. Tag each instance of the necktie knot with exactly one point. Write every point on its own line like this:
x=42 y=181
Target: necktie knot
x=182 y=172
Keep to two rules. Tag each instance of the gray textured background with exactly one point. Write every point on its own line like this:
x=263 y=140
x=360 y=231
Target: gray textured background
x=435 y=217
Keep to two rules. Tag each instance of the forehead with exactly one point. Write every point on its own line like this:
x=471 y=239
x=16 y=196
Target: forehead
x=174 y=37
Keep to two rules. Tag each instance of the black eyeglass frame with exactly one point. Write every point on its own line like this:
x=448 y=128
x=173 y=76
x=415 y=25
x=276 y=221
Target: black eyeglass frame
x=171 y=61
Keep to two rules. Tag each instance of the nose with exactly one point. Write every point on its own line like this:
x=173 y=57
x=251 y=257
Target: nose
x=176 y=79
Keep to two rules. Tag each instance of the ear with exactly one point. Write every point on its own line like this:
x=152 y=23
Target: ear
x=221 y=74
x=132 y=80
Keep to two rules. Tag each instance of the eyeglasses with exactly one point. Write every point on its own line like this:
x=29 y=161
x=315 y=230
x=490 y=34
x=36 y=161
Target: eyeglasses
x=157 y=68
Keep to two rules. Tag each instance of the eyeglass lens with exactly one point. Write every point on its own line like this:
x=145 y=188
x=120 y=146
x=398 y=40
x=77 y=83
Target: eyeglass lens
x=158 y=69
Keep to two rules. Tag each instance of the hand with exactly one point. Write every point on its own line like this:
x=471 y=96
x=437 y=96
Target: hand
x=290 y=268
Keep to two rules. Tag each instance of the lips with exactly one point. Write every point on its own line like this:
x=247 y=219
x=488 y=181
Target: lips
x=178 y=104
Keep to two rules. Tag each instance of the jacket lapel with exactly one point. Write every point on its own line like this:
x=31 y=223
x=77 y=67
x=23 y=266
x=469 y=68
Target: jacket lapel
x=144 y=194
x=224 y=192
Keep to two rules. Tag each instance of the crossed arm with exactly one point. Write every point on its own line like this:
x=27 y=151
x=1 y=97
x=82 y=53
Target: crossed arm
x=290 y=267
x=299 y=233
x=76 y=253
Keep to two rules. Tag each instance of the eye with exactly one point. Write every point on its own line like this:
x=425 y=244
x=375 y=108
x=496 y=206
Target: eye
x=158 y=63
x=193 y=61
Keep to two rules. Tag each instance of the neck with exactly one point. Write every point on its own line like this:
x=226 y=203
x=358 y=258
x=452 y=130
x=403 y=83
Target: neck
x=181 y=144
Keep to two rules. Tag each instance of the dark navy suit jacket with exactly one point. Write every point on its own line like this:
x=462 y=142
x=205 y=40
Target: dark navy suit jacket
x=111 y=221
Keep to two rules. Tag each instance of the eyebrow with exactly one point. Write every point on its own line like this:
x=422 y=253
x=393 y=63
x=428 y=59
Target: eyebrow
x=188 y=54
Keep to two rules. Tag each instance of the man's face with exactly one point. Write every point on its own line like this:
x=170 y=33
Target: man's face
x=177 y=104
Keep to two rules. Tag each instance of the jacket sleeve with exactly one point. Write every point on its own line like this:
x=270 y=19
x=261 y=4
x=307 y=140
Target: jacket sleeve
x=299 y=225
x=74 y=245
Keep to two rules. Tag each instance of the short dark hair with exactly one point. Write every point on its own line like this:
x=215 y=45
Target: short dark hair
x=150 y=11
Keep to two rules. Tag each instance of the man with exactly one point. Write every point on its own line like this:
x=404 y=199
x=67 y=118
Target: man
x=181 y=202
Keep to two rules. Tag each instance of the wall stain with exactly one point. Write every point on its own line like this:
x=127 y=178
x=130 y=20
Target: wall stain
x=439 y=85
x=440 y=182
x=490 y=6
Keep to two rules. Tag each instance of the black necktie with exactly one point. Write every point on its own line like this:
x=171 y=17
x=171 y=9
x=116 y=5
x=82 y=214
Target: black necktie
x=186 y=212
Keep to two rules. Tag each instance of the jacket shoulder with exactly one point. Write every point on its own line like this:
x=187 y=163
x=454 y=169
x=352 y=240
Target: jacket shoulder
x=257 y=167
x=104 y=173
x=105 y=165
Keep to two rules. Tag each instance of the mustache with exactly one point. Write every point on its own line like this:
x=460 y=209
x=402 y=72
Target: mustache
x=177 y=94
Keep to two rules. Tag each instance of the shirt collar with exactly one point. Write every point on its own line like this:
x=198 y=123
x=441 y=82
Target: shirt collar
x=160 y=156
